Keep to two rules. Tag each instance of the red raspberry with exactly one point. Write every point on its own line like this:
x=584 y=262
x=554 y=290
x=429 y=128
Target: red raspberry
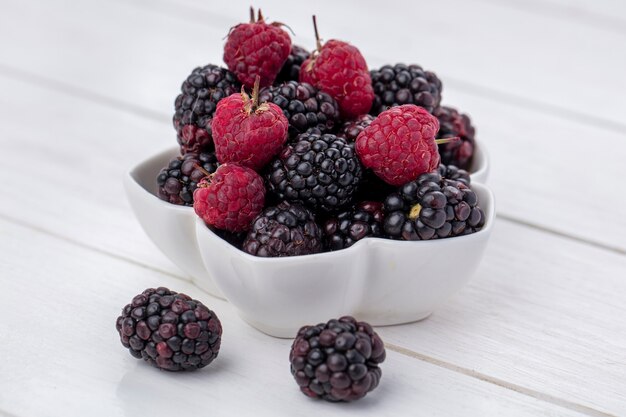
x=257 y=49
x=246 y=132
x=230 y=198
x=400 y=144
x=340 y=70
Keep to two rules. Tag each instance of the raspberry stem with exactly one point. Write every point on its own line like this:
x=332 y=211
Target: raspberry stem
x=317 y=35
x=252 y=14
x=447 y=140
x=260 y=16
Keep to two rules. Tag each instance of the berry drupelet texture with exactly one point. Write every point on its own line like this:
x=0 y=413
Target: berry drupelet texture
x=257 y=49
x=170 y=330
x=179 y=179
x=303 y=105
x=452 y=172
x=400 y=144
x=405 y=84
x=338 y=360
x=196 y=104
x=351 y=129
x=248 y=132
x=320 y=170
x=230 y=198
x=452 y=123
x=432 y=207
x=291 y=68
x=350 y=226
x=284 y=230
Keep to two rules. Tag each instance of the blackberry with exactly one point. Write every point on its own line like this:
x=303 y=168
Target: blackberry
x=432 y=207
x=348 y=227
x=291 y=68
x=196 y=103
x=351 y=129
x=452 y=123
x=170 y=330
x=373 y=188
x=319 y=170
x=405 y=84
x=337 y=360
x=454 y=173
x=304 y=106
x=283 y=230
x=179 y=179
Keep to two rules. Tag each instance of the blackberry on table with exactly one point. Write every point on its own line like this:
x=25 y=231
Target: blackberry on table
x=405 y=84
x=283 y=230
x=338 y=360
x=304 y=106
x=432 y=207
x=452 y=123
x=195 y=105
x=320 y=170
x=351 y=129
x=171 y=331
x=179 y=179
x=291 y=68
x=452 y=172
x=350 y=226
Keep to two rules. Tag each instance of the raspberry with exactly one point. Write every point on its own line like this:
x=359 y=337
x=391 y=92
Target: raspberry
x=401 y=84
x=337 y=360
x=319 y=170
x=339 y=69
x=400 y=144
x=196 y=103
x=453 y=123
x=169 y=330
x=351 y=129
x=303 y=105
x=348 y=227
x=246 y=132
x=284 y=230
x=256 y=49
x=432 y=207
x=230 y=198
x=179 y=179
x=291 y=68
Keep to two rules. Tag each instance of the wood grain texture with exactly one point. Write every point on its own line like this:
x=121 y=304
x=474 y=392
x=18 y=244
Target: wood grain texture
x=66 y=360
x=540 y=161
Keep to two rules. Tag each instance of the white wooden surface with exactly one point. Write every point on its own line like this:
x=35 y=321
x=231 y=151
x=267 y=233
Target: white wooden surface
x=87 y=90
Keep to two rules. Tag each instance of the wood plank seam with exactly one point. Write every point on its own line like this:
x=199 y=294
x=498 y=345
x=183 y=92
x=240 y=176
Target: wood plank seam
x=393 y=347
x=90 y=247
x=572 y=406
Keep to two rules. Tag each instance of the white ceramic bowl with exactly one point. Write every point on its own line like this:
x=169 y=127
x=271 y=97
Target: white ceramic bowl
x=380 y=281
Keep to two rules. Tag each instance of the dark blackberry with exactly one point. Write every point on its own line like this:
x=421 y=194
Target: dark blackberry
x=350 y=226
x=291 y=68
x=320 y=170
x=452 y=123
x=351 y=129
x=196 y=103
x=432 y=207
x=337 y=360
x=178 y=180
x=283 y=230
x=405 y=84
x=304 y=106
x=454 y=173
x=170 y=330
x=373 y=188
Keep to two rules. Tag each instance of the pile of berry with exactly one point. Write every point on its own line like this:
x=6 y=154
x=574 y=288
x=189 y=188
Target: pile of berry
x=290 y=152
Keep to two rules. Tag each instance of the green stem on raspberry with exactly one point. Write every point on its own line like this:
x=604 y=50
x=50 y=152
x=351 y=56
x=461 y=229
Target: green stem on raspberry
x=447 y=140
